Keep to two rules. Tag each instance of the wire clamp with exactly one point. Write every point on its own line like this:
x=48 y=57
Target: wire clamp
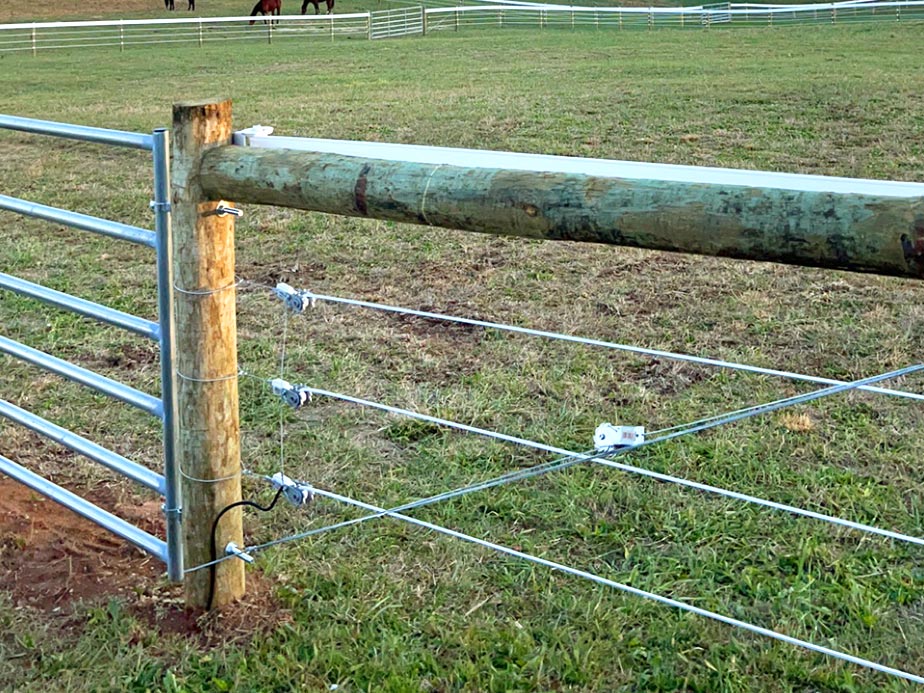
x=607 y=436
x=298 y=493
x=293 y=395
x=295 y=300
x=171 y=511
x=233 y=549
x=159 y=206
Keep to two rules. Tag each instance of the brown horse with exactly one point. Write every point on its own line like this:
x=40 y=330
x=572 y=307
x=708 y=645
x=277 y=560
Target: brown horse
x=168 y=4
x=317 y=10
x=267 y=7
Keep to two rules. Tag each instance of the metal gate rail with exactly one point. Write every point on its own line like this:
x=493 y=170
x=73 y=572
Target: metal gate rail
x=162 y=331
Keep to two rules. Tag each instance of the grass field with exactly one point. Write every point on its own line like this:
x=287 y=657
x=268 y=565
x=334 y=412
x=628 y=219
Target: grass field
x=386 y=607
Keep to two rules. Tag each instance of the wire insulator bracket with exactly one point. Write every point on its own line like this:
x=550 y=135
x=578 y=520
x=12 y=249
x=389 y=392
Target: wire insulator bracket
x=607 y=436
x=298 y=493
x=294 y=395
x=295 y=300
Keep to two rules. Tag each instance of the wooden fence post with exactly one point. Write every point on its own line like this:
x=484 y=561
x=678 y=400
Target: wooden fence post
x=208 y=425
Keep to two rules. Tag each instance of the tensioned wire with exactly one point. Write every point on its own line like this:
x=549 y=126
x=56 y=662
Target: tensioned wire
x=569 y=458
x=517 y=475
x=597 y=342
x=759 y=630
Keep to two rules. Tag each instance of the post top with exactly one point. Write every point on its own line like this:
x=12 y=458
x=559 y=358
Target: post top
x=198 y=103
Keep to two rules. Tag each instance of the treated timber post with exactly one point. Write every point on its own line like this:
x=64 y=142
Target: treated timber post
x=857 y=225
x=208 y=430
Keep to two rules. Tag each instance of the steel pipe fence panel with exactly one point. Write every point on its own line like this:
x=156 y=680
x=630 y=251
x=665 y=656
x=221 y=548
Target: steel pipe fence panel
x=85 y=222
x=116 y=318
x=144 y=541
x=166 y=317
x=162 y=331
x=398 y=22
x=84 y=133
x=112 y=388
x=81 y=445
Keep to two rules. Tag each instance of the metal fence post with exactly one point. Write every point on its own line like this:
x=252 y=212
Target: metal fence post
x=121 y=37
x=208 y=422
x=33 y=40
x=165 y=313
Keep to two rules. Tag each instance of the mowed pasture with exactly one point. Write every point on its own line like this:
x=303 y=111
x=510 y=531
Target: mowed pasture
x=387 y=607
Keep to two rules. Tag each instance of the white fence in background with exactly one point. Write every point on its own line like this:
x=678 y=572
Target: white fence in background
x=404 y=21
x=416 y=21
x=127 y=33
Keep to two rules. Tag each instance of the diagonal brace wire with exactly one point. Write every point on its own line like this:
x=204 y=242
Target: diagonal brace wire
x=683 y=606
x=569 y=458
x=572 y=458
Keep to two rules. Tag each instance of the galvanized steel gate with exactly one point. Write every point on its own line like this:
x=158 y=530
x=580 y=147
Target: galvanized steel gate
x=403 y=21
x=164 y=408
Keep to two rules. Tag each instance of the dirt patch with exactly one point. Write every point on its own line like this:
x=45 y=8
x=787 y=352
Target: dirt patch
x=258 y=613
x=51 y=560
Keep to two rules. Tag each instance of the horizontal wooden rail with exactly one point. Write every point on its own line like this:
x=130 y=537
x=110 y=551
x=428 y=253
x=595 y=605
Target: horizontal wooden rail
x=874 y=232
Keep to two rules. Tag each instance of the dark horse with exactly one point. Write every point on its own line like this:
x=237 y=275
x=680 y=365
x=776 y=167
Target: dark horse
x=170 y=6
x=305 y=3
x=267 y=7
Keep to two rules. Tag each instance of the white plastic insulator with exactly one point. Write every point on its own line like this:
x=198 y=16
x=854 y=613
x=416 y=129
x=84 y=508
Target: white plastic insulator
x=609 y=436
x=280 y=386
x=296 y=301
x=296 y=492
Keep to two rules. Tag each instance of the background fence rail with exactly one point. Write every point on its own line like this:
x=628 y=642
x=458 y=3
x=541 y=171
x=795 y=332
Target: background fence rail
x=419 y=20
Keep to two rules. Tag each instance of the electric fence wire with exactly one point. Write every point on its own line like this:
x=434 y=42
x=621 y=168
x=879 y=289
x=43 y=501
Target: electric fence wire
x=574 y=458
x=600 y=580
x=569 y=458
x=658 y=353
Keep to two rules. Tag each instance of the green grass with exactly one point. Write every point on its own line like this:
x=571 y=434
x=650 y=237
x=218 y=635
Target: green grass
x=387 y=607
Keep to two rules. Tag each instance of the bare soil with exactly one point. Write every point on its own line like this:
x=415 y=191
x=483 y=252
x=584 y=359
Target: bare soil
x=52 y=560
x=51 y=557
